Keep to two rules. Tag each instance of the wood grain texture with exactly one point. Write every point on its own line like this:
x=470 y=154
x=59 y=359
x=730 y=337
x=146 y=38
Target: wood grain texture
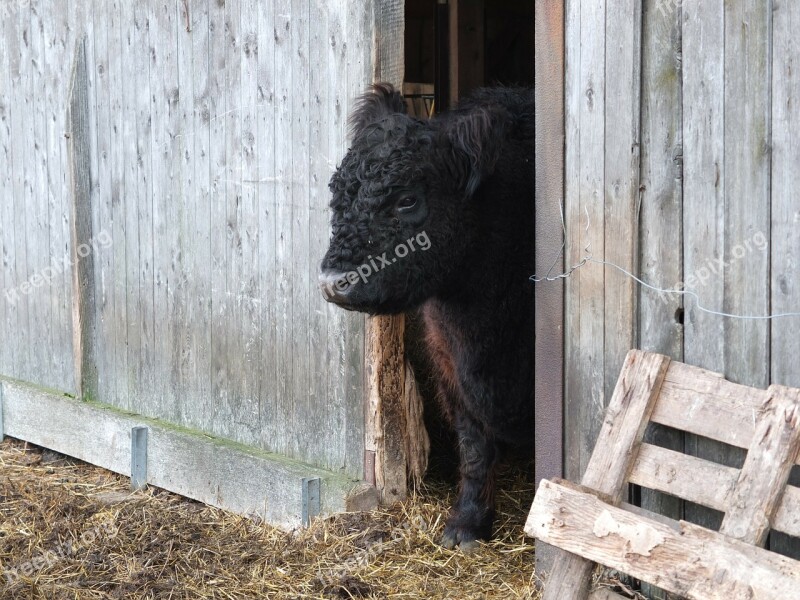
x=682 y=562
x=785 y=211
x=775 y=449
x=6 y=211
x=703 y=403
x=80 y=148
x=213 y=137
x=684 y=476
x=660 y=316
x=584 y=385
x=622 y=153
x=549 y=296
x=623 y=428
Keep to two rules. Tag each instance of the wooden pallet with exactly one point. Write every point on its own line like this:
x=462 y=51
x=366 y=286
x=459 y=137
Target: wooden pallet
x=591 y=523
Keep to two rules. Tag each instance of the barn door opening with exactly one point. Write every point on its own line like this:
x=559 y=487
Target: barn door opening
x=451 y=48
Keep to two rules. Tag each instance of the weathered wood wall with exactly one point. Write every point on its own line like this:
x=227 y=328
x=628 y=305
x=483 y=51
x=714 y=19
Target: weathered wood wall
x=213 y=129
x=682 y=151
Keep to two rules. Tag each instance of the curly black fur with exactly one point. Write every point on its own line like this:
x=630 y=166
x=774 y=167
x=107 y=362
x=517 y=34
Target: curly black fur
x=464 y=181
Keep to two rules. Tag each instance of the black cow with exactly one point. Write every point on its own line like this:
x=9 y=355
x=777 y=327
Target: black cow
x=439 y=214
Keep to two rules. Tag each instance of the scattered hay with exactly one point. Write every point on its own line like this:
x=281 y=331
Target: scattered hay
x=71 y=530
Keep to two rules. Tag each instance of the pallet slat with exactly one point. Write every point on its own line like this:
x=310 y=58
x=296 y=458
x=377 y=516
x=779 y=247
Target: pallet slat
x=678 y=474
x=763 y=477
x=682 y=562
x=702 y=402
x=622 y=431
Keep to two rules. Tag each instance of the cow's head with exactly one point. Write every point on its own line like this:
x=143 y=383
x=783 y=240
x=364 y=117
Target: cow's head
x=403 y=218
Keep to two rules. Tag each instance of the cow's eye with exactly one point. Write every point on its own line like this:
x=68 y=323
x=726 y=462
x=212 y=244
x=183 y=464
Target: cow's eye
x=406 y=203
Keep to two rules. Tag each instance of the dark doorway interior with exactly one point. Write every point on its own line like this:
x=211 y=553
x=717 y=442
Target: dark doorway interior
x=452 y=47
x=458 y=45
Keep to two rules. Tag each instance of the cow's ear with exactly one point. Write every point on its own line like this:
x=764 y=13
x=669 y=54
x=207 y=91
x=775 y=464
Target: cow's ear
x=476 y=137
x=380 y=101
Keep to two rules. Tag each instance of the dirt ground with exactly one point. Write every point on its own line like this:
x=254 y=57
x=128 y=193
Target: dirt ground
x=69 y=530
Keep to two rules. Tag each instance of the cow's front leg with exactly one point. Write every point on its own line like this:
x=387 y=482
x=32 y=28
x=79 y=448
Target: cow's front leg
x=472 y=515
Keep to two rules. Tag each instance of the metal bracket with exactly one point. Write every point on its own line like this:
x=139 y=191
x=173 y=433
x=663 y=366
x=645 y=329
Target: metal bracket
x=310 y=507
x=139 y=457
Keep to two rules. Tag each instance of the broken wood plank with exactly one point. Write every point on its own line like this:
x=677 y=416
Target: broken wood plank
x=766 y=469
x=694 y=562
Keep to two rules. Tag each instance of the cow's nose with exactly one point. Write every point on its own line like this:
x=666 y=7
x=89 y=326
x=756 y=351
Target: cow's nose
x=335 y=287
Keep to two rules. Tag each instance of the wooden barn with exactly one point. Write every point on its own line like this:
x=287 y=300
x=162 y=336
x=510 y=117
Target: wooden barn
x=163 y=209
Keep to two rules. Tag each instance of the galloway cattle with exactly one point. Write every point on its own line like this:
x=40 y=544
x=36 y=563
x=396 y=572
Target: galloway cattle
x=439 y=215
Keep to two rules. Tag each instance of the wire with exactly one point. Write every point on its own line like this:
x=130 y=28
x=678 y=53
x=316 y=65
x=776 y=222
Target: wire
x=588 y=257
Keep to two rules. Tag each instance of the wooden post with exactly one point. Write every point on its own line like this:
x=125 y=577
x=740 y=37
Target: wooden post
x=549 y=296
x=392 y=404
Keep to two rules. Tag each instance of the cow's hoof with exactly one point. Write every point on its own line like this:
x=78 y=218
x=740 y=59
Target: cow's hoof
x=465 y=537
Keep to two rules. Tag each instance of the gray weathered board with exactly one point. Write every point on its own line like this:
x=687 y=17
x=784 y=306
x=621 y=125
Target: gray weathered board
x=205 y=136
x=212 y=470
x=682 y=151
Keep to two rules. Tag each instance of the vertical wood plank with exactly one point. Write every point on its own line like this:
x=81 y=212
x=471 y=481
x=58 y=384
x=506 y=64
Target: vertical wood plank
x=704 y=182
x=748 y=25
x=268 y=201
x=346 y=330
x=585 y=188
x=661 y=217
x=299 y=246
x=228 y=331
x=549 y=297
x=81 y=146
x=198 y=141
x=103 y=33
x=40 y=336
x=623 y=22
x=283 y=287
x=21 y=131
x=149 y=400
x=785 y=213
x=217 y=76
x=168 y=237
x=59 y=85
x=7 y=241
x=183 y=309
x=318 y=177
x=385 y=350
x=249 y=410
x=116 y=390
x=660 y=316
